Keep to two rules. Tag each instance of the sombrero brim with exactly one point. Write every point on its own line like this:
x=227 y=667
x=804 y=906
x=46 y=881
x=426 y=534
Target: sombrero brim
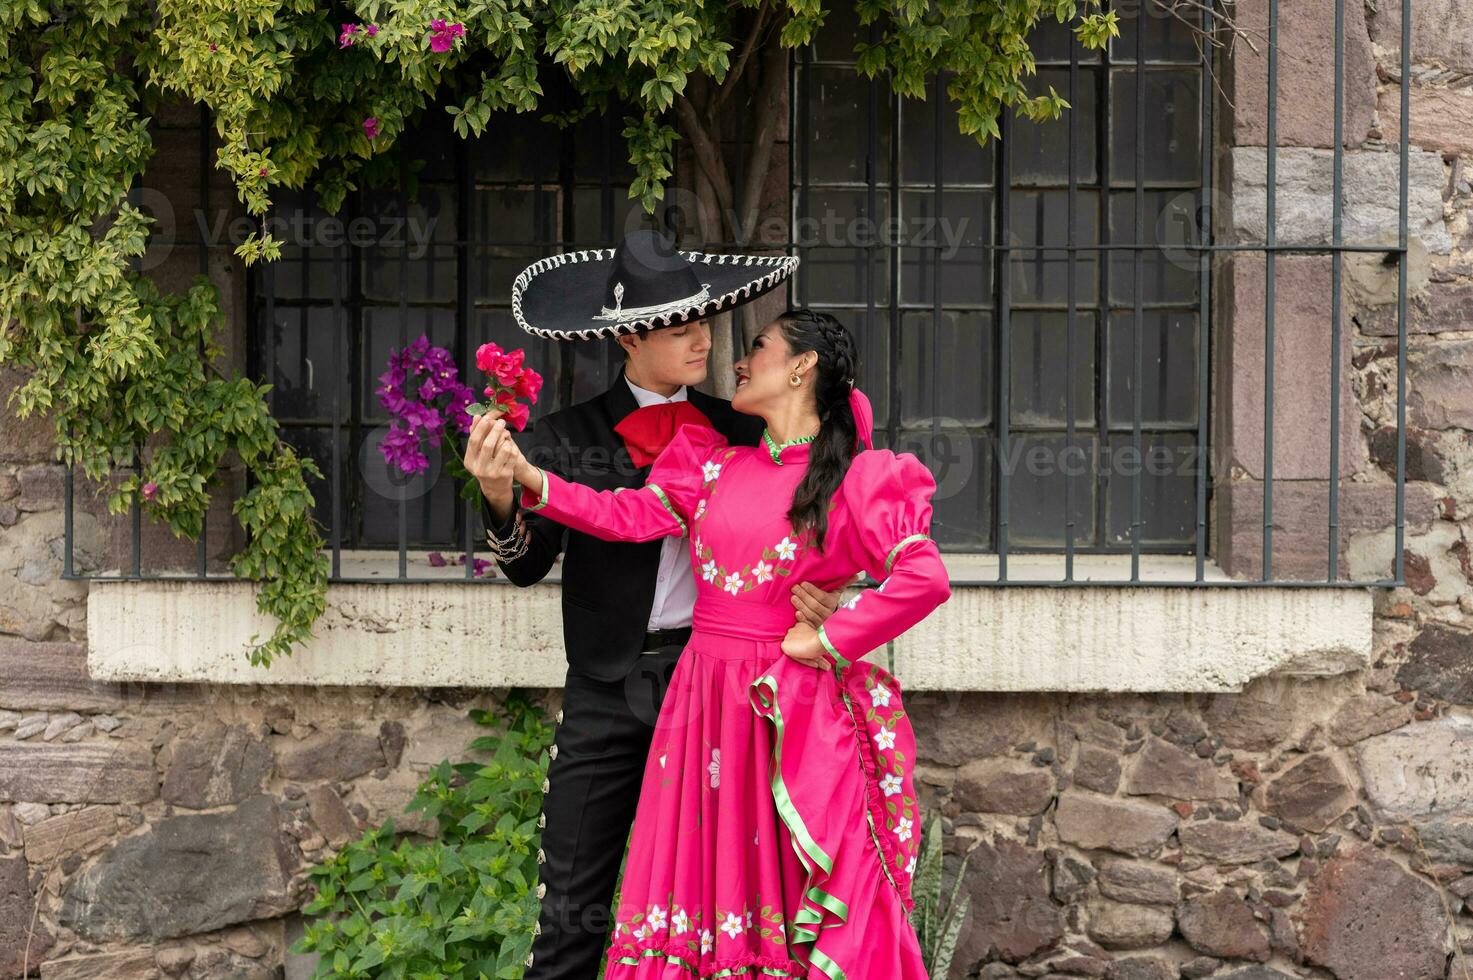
x=560 y=296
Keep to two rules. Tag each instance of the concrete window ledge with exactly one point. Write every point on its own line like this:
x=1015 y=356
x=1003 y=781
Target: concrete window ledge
x=451 y=633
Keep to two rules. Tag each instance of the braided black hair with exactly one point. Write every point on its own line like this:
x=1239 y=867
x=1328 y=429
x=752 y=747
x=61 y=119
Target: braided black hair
x=833 y=449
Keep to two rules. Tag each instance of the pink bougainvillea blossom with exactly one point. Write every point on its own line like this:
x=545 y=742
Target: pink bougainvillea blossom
x=442 y=35
x=150 y=490
x=370 y=126
x=346 y=37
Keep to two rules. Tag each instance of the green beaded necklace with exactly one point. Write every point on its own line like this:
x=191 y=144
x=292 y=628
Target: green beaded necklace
x=775 y=451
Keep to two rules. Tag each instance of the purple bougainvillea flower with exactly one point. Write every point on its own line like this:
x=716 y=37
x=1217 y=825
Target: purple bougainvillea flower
x=150 y=490
x=370 y=126
x=346 y=37
x=371 y=30
x=436 y=559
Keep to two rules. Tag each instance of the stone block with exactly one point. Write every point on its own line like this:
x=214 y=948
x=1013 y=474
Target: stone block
x=1124 y=826
x=52 y=677
x=1138 y=882
x=1441 y=663
x=1306 y=75
x=1011 y=910
x=78 y=832
x=1221 y=924
x=1234 y=842
x=1441 y=34
x=1420 y=770
x=1003 y=786
x=127 y=964
x=1365 y=917
x=1301 y=364
x=1301 y=547
x=17 y=902
x=1311 y=794
x=1163 y=769
x=1440 y=307
x=337 y=755
x=215 y=765
x=85 y=772
x=1119 y=925
x=187 y=875
x=1440 y=385
x=1370 y=198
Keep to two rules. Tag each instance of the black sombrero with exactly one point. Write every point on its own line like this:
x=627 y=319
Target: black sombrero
x=642 y=283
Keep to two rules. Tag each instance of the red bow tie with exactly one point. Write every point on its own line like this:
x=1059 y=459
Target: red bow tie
x=647 y=431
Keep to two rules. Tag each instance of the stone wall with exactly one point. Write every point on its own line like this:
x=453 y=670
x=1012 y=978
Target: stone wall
x=1305 y=827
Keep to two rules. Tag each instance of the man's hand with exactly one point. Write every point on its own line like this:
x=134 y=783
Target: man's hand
x=491 y=457
x=802 y=644
x=813 y=605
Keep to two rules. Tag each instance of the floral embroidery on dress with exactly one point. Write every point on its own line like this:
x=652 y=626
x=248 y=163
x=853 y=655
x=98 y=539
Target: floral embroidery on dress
x=749 y=576
x=714 y=768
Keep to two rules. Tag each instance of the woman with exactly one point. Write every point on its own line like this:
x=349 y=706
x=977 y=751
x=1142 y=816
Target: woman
x=777 y=825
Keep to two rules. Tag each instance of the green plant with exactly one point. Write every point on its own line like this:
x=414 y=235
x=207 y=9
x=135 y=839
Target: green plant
x=126 y=373
x=461 y=905
x=937 y=926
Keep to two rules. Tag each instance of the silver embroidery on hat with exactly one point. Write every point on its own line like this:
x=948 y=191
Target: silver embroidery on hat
x=622 y=312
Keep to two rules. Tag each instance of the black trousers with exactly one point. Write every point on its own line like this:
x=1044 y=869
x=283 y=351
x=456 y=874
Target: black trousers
x=593 y=787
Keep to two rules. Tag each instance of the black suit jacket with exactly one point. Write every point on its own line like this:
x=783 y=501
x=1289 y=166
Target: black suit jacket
x=608 y=586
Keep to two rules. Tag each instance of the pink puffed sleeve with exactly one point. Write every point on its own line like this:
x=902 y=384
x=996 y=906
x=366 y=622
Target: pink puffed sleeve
x=888 y=534
x=661 y=508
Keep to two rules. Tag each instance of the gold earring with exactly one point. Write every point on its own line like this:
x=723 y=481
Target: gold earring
x=794 y=379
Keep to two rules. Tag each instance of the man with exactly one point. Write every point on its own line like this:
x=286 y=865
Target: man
x=626 y=606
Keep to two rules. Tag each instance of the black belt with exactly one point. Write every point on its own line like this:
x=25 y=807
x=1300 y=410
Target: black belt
x=676 y=636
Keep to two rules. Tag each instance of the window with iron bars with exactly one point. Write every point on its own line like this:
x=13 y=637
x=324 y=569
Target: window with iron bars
x=1019 y=327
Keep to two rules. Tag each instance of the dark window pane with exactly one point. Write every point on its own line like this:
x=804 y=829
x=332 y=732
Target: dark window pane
x=1172 y=127
x=1040 y=151
x=963 y=160
x=965 y=278
x=1050 y=42
x=872 y=333
x=1168 y=367
x=844 y=275
x=961 y=462
x=315 y=443
x=519 y=148
x=305 y=371
x=946 y=368
x=516 y=214
x=841 y=30
x=1041 y=275
x=589 y=204
x=839 y=119
x=1038 y=394
x=420 y=275
x=495 y=267
x=1044 y=468
x=1170 y=34
x=1170 y=273
x=304 y=273
x=1166 y=466
x=599 y=144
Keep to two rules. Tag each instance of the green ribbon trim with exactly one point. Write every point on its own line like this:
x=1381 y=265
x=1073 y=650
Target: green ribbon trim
x=770 y=971
x=809 y=920
x=840 y=660
x=775 y=450
x=668 y=506
x=542 y=500
x=889 y=560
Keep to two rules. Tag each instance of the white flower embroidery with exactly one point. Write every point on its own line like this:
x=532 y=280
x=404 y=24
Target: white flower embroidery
x=902 y=829
x=714 y=768
x=910 y=867
x=754 y=838
x=618 y=928
x=884 y=741
x=710 y=471
x=662 y=760
x=890 y=784
x=700 y=510
x=879 y=696
x=706 y=941
x=852 y=602
x=786 y=549
x=749 y=918
x=708 y=571
x=733 y=925
x=763 y=571
x=733 y=583
x=639 y=933
x=656 y=919
x=679 y=922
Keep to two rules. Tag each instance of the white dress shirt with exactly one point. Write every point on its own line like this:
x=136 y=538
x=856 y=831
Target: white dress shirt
x=675 y=585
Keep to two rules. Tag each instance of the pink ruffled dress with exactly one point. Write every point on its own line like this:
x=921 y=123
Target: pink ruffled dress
x=777 y=826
